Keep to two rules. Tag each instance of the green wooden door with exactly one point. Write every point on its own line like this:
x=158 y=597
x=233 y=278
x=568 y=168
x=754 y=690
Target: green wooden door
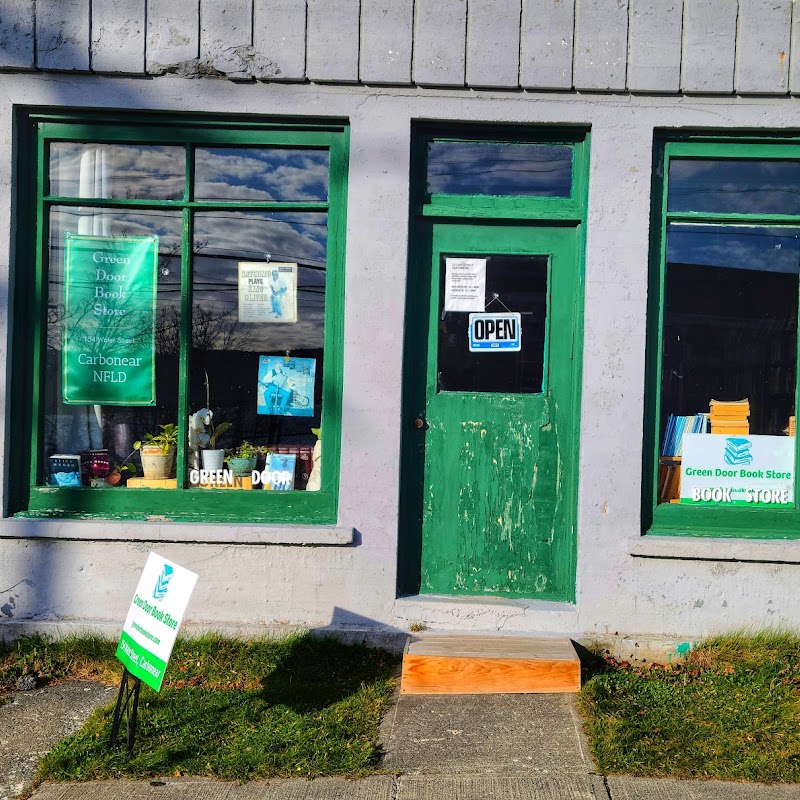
x=497 y=438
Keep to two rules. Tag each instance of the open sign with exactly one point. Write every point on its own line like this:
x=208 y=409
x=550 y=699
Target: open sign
x=495 y=333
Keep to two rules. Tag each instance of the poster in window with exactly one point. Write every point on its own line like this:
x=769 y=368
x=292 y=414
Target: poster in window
x=267 y=292
x=465 y=284
x=109 y=327
x=286 y=386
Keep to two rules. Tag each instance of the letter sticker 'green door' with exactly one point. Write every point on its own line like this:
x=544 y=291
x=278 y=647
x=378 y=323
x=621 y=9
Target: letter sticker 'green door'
x=497 y=438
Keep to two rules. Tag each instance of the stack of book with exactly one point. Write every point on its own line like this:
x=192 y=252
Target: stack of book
x=676 y=427
x=730 y=417
x=792 y=426
x=669 y=464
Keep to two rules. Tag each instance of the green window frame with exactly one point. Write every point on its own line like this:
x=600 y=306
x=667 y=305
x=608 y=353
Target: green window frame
x=674 y=519
x=35 y=131
x=506 y=206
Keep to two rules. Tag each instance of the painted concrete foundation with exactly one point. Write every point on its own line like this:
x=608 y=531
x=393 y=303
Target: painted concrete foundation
x=642 y=596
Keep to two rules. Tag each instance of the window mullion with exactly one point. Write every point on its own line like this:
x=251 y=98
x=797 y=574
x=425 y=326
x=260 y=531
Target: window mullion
x=40 y=306
x=186 y=325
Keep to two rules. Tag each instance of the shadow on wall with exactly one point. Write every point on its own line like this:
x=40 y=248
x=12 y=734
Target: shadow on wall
x=352 y=628
x=33 y=574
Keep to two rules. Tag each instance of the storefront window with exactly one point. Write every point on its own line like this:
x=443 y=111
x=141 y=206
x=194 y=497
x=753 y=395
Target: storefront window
x=499 y=168
x=189 y=341
x=727 y=381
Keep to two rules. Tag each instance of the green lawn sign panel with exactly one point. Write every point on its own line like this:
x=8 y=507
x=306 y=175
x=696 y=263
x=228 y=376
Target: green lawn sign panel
x=109 y=322
x=154 y=617
x=737 y=470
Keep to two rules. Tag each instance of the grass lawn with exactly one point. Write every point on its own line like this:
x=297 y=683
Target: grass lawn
x=300 y=706
x=730 y=710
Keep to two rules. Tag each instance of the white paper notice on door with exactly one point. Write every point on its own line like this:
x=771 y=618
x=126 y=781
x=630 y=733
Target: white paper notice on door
x=465 y=284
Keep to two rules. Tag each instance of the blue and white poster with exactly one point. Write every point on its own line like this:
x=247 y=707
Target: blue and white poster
x=286 y=386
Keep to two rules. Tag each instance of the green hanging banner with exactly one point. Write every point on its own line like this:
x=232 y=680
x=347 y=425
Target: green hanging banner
x=109 y=353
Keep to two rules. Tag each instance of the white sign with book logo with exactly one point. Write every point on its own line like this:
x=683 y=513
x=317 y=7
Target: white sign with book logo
x=737 y=470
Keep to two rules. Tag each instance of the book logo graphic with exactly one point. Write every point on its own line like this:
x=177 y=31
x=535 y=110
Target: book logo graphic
x=162 y=582
x=737 y=452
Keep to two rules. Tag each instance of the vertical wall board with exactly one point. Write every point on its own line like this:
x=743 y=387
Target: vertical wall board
x=440 y=29
x=62 y=34
x=548 y=28
x=762 y=47
x=654 y=45
x=118 y=30
x=332 y=41
x=387 y=29
x=601 y=44
x=16 y=34
x=709 y=46
x=226 y=44
x=279 y=36
x=173 y=35
x=794 y=58
x=493 y=30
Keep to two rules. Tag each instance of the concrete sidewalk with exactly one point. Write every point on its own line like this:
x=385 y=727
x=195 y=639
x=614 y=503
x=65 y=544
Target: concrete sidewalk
x=466 y=747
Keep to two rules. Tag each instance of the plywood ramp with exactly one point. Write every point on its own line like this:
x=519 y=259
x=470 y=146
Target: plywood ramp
x=489 y=665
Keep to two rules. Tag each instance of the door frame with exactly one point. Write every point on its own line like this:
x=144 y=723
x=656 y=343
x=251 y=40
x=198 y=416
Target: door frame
x=426 y=211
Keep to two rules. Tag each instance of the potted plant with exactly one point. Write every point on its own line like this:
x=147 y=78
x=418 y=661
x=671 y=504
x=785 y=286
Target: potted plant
x=242 y=459
x=213 y=456
x=158 y=452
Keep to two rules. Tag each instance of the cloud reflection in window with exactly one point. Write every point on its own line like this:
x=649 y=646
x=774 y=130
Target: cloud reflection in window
x=497 y=168
x=734 y=185
x=259 y=173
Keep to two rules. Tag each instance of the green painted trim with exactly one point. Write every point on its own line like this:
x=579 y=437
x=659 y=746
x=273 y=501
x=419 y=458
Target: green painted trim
x=732 y=148
x=198 y=132
x=25 y=247
x=38 y=318
x=485 y=207
x=686 y=519
x=493 y=207
x=28 y=497
x=331 y=430
x=696 y=217
x=192 y=505
x=198 y=205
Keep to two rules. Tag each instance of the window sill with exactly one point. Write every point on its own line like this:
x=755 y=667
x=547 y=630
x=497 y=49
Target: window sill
x=204 y=533
x=717 y=549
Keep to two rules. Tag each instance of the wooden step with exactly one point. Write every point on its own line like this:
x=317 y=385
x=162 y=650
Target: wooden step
x=439 y=664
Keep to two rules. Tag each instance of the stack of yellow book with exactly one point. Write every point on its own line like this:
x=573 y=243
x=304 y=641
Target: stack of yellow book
x=792 y=426
x=730 y=417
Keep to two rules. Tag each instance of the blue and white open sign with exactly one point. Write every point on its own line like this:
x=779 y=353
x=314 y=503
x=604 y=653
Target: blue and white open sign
x=495 y=333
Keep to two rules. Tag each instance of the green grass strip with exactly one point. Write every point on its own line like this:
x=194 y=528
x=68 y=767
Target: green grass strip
x=730 y=711
x=231 y=709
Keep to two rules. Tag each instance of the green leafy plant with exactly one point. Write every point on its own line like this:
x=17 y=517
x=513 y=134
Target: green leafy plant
x=216 y=432
x=167 y=439
x=244 y=450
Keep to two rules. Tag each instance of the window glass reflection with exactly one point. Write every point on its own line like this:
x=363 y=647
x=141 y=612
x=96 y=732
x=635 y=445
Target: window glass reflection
x=261 y=349
x=260 y=173
x=119 y=171
x=733 y=185
x=497 y=168
x=730 y=335
x=108 y=430
x=520 y=285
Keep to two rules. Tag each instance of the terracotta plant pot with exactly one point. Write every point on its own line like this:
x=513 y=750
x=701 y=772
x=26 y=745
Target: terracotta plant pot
x=155 y=464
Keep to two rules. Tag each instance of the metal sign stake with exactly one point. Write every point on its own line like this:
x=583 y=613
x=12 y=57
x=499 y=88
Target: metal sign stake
x=127 y=706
